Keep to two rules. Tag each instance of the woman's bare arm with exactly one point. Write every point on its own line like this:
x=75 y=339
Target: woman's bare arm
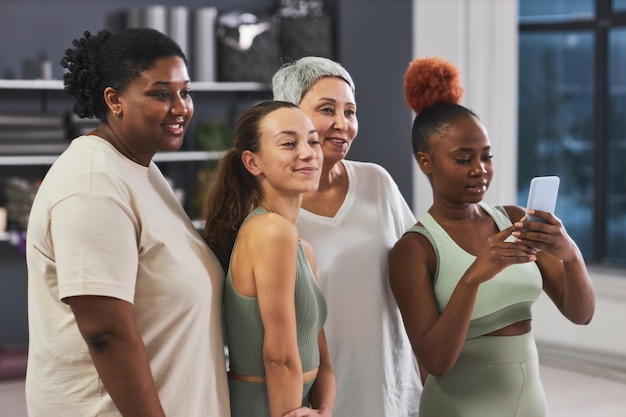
x=118 y=353
x=565 y=276
x=274 y=252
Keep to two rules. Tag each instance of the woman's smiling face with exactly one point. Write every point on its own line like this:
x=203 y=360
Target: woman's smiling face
x=290 y=157
x=331 y=106
x=156 y=108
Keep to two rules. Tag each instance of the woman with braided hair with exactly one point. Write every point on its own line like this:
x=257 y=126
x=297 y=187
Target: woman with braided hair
x=124 y=297
x=465 y=276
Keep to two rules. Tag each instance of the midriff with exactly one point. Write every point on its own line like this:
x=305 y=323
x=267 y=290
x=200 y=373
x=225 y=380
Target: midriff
x=515 y=329
x=260 y=379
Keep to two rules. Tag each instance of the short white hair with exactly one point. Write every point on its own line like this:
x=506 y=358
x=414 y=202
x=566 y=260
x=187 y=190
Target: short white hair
x=292 y=81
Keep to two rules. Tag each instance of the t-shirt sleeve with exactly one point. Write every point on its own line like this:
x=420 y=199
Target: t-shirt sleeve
x=95 y=246
x=403 y=217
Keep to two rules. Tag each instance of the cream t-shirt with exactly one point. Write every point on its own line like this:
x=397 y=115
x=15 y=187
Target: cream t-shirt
x=104 y=225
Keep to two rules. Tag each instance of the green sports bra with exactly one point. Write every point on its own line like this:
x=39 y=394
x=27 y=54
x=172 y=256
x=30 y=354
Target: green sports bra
x=505 y=299
x=244 y=328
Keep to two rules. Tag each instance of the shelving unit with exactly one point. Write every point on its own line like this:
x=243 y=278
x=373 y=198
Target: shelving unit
x=180 y=156
x=197 y=86
x=183 y=162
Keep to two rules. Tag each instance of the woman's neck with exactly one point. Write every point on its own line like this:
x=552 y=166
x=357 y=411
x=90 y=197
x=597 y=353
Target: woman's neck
x=332 y=174
x=286 y=206
x=452 y=213
x=105 y=131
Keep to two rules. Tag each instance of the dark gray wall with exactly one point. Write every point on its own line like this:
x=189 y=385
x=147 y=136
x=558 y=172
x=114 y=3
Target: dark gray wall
x=373 y=43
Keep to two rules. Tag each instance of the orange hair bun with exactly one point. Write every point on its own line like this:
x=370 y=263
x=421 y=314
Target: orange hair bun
x=430 y=81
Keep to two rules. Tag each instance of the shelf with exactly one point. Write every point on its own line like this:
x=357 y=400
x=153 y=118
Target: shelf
x=188 y=156
x=200 y=86
x=31 y=84
x=10 y=236
x=25 y=160
x=180 y=156
x=229 y=86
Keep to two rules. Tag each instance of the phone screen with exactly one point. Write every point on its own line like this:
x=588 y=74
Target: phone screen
x=542 y=195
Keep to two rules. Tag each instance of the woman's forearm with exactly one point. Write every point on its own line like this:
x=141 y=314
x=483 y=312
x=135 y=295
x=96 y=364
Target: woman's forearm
x=579 y=295
x=118 y=353
x=284 y=385
x=125 y=371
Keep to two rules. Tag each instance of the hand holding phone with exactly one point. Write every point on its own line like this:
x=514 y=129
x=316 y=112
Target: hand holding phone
x=542 y=195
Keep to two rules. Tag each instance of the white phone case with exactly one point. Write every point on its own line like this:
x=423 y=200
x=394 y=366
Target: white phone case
x=542 y=195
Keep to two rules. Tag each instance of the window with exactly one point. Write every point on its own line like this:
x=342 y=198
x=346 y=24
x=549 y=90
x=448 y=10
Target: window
x=549 y=11
x=572 y=116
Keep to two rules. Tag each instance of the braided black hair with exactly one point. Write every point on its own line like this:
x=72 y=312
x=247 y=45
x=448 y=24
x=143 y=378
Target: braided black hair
x=111 y=60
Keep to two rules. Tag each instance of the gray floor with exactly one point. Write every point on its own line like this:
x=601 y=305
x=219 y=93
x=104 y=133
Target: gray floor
x=572 y=390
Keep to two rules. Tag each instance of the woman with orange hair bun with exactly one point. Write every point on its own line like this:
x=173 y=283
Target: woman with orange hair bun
x=466 y=275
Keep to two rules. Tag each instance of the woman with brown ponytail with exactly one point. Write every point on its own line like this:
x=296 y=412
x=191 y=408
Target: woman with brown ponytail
x=273 y=309
x=465 y=276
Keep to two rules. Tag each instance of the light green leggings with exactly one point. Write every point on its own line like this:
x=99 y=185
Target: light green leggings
x=494 y=376
x=248 y=399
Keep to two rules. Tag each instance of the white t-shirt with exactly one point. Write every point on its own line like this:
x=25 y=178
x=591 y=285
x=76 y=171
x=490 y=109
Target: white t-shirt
x=104 y=225
x=370 y=352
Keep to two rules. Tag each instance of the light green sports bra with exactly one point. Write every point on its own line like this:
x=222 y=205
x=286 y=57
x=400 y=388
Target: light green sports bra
x=505 y=299
x=244 y=328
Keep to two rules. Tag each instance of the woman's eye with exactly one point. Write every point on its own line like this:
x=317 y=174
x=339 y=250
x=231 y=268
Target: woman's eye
x=327 y=110
x=487 y=158
x=186 y=94
x=463 y=161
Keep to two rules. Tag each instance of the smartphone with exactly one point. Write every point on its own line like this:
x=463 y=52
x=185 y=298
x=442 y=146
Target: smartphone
x=542 y=195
